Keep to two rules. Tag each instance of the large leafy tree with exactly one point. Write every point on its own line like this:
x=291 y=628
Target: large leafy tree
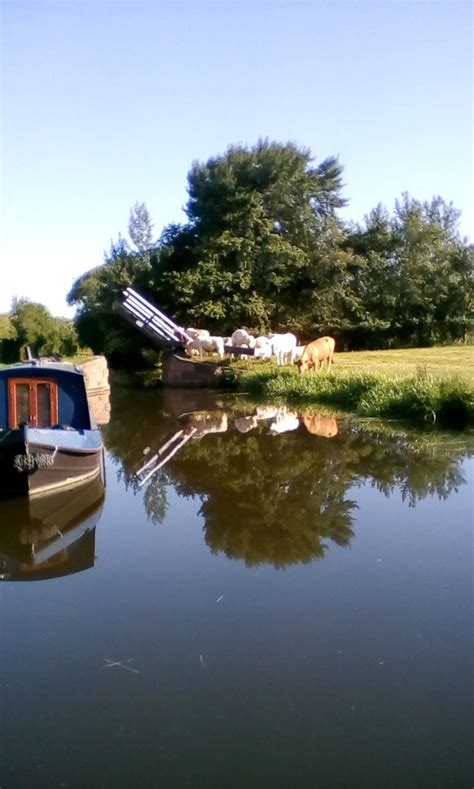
x=434 y=273
x=412 y=278
x=370 y=308
x=255 y=218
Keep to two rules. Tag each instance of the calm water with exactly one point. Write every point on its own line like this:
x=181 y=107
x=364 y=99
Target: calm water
x=286 y=602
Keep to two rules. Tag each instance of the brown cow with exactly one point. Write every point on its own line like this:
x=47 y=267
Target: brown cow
x=321 y=425
x=315 y=353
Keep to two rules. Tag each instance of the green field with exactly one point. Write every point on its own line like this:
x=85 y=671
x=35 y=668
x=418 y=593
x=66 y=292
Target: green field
x=453 y=360
x=441 y=362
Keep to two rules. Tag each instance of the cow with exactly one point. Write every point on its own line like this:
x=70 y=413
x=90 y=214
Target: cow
x=263 y=348
x=298 y=352
x=316 y=352
x=197 y=333
x=241 y=338
x=266 y=412
x=245 y=423
x=283 y=347
x=284 y=420
x=320 y=425
x=205 y=423
x=202 y=345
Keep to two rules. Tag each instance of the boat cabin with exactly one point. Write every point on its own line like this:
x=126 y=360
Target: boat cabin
x=43 y=394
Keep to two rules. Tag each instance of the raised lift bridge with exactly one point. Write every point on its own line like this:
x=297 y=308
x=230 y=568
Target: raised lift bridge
x=177 y=371
x=163 y=331
x=151 y=321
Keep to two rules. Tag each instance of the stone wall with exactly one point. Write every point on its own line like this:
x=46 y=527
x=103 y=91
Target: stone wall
x=178 y=371
x=96 y=376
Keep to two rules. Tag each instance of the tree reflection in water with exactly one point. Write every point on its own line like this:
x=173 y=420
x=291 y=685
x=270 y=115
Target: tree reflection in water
x=275 y=485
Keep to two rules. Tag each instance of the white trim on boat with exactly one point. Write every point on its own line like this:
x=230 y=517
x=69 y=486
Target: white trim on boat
x=69 y=482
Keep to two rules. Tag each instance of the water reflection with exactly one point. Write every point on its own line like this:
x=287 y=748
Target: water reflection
x=275 y=484
x=49 y=536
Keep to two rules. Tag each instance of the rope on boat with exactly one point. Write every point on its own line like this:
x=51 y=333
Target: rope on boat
x=34 y=460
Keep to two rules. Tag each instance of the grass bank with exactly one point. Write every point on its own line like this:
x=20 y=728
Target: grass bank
x=423 y=386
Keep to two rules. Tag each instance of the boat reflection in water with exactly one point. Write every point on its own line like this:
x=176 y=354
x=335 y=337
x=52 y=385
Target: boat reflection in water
x=50 y=536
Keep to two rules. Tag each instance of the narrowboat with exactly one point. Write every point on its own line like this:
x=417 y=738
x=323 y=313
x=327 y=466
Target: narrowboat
x=47 y=438
x=44 y=537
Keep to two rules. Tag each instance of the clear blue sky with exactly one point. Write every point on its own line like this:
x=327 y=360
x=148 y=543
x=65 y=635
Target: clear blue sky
x=108 y=103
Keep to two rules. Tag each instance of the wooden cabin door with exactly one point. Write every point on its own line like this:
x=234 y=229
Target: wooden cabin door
x=32 y=401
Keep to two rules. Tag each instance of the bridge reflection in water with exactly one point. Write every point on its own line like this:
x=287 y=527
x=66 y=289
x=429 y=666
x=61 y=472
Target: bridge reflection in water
x=199 y=424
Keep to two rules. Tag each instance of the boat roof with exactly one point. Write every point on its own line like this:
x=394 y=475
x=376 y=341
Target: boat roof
x=40 y=364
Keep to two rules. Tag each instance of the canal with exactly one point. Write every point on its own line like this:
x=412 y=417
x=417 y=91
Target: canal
x=262 y=598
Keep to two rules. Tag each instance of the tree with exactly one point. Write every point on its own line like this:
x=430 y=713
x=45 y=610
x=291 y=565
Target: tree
x=430 y=265
x=95 y=293
x=7 y=340
x=255 y=217
x=371 y=308
x=140 y=228
x=412 y=278
x=33 y=326
x=263 y=247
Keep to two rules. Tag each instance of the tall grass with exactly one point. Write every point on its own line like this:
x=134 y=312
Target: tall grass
x=420 y=397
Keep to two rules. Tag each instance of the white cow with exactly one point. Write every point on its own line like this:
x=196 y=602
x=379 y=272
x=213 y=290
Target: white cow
x=245 y=423
x=266 y=412
x=285 y=420
x=205 y=423
x=263 y=348
x=203 y=345
x=197 y=332
x=241 y=338
x=283 y=347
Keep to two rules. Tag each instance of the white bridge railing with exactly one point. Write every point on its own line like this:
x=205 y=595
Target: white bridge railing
x=151 y=320
x=158 y=327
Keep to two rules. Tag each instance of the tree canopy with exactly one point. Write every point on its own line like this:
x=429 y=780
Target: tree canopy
x=264 y=248
x=30 y=324
x=257 y=218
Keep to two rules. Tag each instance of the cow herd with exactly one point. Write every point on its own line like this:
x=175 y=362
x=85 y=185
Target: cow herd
x=283 y=347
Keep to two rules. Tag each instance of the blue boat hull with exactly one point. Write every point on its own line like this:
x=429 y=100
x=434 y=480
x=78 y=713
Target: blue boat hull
x=35 y=461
